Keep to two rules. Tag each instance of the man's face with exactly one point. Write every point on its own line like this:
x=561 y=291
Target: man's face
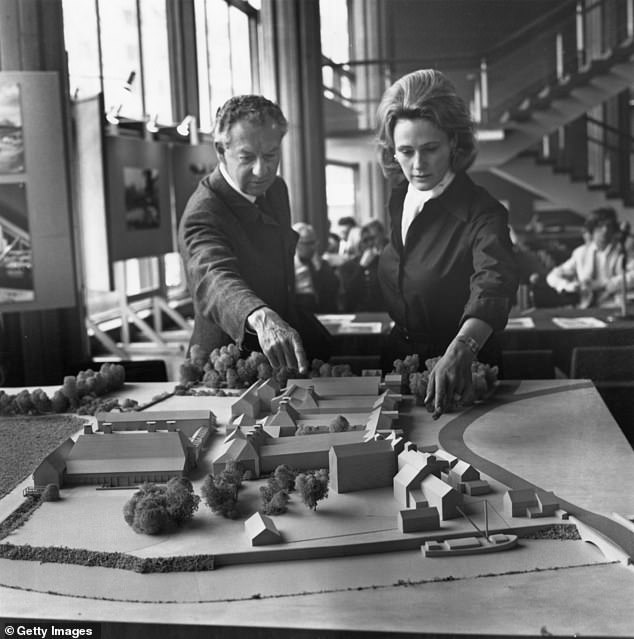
x=252 y=155
x=603 y=234
x=306 y=245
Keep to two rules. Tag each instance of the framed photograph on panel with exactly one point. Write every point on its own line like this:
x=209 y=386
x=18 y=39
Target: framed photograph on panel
x=11 y=138
x=190 y=164
x=37 y=265
x=139 y=212
x=16 y=256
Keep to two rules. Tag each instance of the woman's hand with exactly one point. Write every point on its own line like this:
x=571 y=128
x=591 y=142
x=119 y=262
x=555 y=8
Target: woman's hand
x=450 y=380
x=280 y=342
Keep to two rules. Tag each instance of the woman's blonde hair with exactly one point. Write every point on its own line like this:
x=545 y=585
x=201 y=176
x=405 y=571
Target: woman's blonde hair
x=427 y=94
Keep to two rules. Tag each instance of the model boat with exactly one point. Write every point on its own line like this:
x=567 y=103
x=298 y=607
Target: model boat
x=469 y=545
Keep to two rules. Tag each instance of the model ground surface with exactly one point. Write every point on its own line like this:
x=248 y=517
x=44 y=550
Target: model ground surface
x=26 y=441
x=524 y=435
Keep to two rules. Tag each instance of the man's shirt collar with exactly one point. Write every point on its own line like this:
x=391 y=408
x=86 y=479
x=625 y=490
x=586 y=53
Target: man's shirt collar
x=233 y=185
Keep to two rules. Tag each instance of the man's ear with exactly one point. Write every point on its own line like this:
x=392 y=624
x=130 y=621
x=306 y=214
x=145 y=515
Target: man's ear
x=220 y=149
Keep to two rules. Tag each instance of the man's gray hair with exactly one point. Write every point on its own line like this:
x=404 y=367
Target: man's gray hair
x=247 y=108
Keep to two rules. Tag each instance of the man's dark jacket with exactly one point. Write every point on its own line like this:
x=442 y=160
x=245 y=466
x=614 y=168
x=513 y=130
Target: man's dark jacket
x=238 y=257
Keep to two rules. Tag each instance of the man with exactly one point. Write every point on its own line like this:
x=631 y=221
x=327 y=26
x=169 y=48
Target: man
x=236 y=240
x=594 y=270
x=316 y=284
x=360 y=282
x=344 y=226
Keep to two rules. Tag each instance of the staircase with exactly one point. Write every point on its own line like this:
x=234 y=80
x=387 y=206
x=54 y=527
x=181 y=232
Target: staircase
x=558 y=188
x=544 y=113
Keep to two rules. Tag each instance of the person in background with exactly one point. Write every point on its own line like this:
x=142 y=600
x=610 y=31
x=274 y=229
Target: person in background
x=594 y=270
x=359 y=275
x=448 y=273
x=316 y=285
x=344 y=226
x=236 y=240
x=332 y=248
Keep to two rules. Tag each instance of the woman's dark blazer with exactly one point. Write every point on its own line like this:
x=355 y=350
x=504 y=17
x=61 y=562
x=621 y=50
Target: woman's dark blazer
x=457 y=262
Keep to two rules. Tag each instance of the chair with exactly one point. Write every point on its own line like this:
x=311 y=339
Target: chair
x=528 y=364
x=602 y=363
x=611 y=368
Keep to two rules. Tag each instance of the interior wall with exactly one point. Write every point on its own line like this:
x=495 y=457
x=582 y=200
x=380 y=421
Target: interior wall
x=453 y=35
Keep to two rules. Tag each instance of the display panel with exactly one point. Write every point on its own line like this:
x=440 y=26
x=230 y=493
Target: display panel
x=138 y=198
x=36 y=252
x=190 y=164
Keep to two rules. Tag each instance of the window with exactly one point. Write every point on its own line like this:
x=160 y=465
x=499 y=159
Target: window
x=120 y=47
x=82 y=45
x=335 y=47
x=341 y=190
x=224 y=42
x=155 y=57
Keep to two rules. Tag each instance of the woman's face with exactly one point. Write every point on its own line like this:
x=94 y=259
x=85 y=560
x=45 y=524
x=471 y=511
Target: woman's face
x=423 y=152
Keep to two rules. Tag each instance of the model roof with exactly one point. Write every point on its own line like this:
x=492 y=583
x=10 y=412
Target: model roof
x=127 y=452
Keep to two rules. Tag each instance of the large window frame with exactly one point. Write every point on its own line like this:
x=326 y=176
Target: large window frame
x=126 y=73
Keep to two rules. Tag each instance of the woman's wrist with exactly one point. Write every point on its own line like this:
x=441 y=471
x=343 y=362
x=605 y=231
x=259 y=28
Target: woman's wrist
x=467 y=342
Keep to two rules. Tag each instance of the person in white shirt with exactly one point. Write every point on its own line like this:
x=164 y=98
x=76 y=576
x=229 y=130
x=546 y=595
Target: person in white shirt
x=595 y=269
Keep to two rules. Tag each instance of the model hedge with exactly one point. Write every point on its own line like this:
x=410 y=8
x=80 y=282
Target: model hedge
x=229 y=367
x=484 y=378
x=79 y=393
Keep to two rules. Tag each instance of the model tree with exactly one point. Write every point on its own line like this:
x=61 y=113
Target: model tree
x=233 y=474
x=182 y=503
x=312 y=486
x=285 y=477
x=221 y=496
x=274 y=497
x=146 y=511
x=339 y=424
x=155 y=509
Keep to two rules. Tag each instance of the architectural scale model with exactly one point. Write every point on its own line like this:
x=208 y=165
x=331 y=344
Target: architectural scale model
x=387 y=492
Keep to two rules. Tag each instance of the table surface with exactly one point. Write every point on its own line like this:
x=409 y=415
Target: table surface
x=554 y=434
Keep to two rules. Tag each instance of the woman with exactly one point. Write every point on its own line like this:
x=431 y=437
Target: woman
x=448 y=274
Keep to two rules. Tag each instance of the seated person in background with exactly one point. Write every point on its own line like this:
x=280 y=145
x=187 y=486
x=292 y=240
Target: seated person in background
x=594 y=270
x=344 y=226
x=333 y=244
x=316 y=285
x=360 y=283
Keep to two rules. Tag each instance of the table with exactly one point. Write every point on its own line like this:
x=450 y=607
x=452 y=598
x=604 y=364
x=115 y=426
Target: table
x=546 y=334
x=352 y=337
x=556 y=434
